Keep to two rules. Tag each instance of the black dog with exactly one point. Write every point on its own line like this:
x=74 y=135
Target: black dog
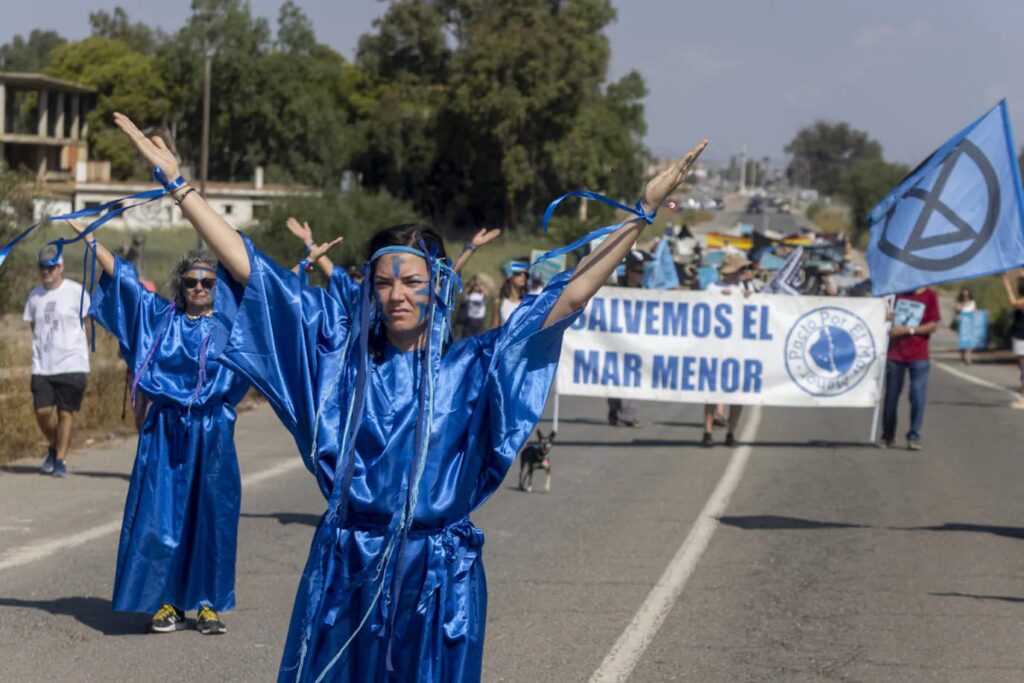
x=535 y=457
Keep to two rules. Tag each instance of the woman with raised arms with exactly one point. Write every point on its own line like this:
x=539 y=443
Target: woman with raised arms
x=406 y=435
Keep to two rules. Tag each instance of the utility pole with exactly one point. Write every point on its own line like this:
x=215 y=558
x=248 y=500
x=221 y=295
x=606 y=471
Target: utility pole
x=204 y=163
x=743 y=169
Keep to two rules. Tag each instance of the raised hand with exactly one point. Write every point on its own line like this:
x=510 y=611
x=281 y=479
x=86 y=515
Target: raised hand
x=75 y=225
x=662 y=185
x=300 y=230
x=154 y=150
x=318 y=250
x=483 y=236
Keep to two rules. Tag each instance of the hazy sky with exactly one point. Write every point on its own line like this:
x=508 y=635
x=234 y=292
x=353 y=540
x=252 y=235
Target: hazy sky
x=741 y=72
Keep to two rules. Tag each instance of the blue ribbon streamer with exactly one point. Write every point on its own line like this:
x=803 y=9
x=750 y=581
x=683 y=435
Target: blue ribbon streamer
x=113 y=208
x=637 y=211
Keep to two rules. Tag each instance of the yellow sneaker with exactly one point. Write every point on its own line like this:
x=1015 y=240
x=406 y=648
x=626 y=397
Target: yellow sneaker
x=167 y=619
x=208 y=623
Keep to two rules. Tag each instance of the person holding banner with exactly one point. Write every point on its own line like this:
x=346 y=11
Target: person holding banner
x=735 y=277
x=178 y=538
x=406 y=435
x=1015 y=295
x=914 y=318
x=622 y=411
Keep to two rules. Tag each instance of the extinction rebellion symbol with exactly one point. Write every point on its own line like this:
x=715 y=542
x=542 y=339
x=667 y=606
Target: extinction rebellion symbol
x=829 y=351
x=973 y=238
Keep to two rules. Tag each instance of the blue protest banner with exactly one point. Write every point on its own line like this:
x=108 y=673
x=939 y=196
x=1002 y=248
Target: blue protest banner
x=973 y=328
x=958 y=215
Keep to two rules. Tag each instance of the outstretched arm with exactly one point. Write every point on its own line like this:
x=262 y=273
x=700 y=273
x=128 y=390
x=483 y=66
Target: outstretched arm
x=482 y=237
x=594 y=269
x=305 y=235
x=222 y=239
x=316 y=255
x=103 y=255
x=1016 y=302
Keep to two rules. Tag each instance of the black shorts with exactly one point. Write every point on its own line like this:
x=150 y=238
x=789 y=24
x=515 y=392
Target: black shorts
x=64 y=391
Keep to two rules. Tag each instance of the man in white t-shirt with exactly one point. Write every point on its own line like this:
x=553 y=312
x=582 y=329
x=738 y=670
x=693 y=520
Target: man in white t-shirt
x=736 y=279
x=60 y=355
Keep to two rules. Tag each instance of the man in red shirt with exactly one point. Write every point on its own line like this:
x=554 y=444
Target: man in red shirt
x=914 y=318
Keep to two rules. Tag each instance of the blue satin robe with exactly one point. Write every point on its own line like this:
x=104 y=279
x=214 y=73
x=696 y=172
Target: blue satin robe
x=490 y=391
x=344 y=289
x=180 y=524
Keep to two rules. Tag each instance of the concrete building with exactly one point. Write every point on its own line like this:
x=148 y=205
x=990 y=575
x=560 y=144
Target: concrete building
x=43 y=129
x=241 y=204
x=43 y=124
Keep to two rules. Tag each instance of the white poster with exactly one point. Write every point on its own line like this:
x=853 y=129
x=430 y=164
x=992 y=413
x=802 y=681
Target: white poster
x=699 y=347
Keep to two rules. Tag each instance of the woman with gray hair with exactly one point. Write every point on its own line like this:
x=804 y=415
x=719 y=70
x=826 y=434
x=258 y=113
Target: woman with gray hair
x=178 y=539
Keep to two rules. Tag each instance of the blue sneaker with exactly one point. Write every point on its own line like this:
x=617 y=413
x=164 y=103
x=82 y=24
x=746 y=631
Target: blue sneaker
x=60 y=469
x=47 y=466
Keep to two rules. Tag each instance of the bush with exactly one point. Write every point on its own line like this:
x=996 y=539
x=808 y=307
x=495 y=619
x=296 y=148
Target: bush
x=354 y=216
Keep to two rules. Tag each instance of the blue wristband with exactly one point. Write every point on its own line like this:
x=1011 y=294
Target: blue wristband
x=169 y=185
x=309 y=247
x=469 y=247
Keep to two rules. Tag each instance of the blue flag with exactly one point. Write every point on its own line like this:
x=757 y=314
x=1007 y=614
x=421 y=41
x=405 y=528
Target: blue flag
x=958 y=215
x=661 y=272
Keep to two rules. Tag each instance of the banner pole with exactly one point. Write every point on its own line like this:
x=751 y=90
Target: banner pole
x=891 y=306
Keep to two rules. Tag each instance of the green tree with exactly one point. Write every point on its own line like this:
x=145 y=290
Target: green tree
x=823 y=152
x=865 y=184
x=31 y=54
x=17 y=271
x=481 y=111
x=126 y=80
x=116 y=25
x=279 y=104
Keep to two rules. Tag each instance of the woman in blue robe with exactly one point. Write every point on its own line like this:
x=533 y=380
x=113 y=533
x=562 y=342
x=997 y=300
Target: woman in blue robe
x=405 y=438
x=178 y=538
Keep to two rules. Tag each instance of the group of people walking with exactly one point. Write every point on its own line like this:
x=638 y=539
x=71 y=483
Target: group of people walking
x=405 y=431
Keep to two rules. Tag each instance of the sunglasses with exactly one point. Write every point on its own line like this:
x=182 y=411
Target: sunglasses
x=207 y=282
x=44 y=267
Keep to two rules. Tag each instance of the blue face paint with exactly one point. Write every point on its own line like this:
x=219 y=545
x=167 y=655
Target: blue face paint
x=423 y=306
x=396 y=265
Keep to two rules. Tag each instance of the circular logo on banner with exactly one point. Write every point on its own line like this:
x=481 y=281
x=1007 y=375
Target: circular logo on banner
x=968 y=239
x=829 y=351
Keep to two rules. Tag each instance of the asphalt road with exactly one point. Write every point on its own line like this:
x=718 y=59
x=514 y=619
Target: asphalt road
x=825 y=559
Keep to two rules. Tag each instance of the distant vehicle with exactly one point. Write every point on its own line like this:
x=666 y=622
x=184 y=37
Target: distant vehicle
x=755 y=205
x=783 y=206
x=719 y=203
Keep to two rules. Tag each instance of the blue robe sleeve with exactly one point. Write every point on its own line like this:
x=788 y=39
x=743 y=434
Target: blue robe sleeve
x=519 y=379
x=129 y=311
x=344 y=289
x=289 y=341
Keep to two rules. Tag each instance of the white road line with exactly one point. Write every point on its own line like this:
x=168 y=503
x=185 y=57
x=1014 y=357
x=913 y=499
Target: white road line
x=974 y=380
x=27 y=554
x=630 y=646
